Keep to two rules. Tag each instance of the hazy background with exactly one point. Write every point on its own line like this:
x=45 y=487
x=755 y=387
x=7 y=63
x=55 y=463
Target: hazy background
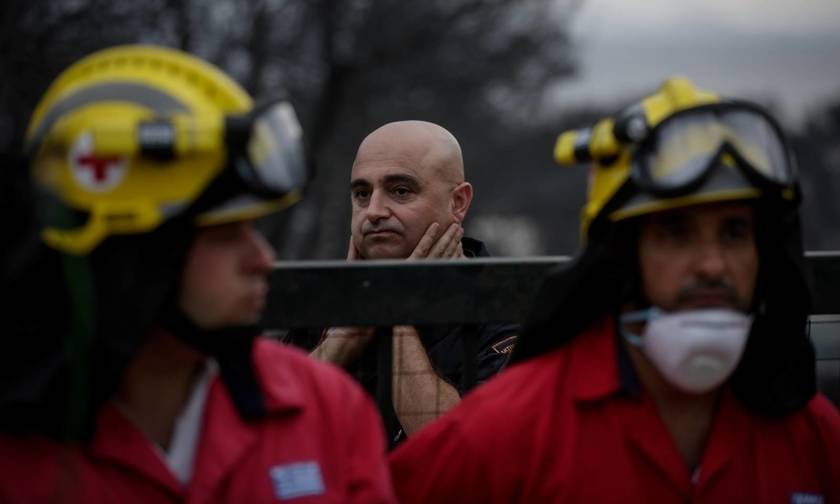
x=785 y=55
x=505 y=76
x=786 y=52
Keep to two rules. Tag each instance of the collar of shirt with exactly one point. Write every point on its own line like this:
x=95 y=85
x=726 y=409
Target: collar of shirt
x=280 y=384
x=628 y=379
x=474 y=248
x=600 y=368
x=180 y=454
x=595 y=364
x=117 y=441
x=601 y=364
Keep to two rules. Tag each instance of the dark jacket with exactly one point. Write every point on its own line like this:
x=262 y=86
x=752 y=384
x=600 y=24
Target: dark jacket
x=445 y=347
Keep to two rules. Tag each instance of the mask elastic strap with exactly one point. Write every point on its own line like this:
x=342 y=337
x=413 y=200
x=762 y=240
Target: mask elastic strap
x=636 y=316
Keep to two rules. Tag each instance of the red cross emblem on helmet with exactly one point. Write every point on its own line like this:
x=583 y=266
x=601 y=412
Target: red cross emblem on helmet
x=93 y=171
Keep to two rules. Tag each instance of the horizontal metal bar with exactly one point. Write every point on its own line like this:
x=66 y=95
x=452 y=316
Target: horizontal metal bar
x=381 y=293
x=825 y=275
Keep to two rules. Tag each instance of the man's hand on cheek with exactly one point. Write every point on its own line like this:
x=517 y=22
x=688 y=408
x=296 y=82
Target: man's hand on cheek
x=446 y=246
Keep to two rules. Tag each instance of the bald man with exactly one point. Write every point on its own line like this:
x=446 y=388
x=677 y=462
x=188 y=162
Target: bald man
x=408 y=193
x=409 y=200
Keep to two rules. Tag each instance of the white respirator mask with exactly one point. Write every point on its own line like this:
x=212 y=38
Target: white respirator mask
x=695 y=350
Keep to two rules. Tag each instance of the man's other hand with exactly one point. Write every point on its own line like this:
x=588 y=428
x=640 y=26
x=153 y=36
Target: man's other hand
x=343 y=345
x=447 y=246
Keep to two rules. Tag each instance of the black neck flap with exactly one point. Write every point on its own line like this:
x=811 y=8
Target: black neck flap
x=231 y=347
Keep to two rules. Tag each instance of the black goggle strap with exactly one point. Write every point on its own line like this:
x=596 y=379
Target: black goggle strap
x=227 y=184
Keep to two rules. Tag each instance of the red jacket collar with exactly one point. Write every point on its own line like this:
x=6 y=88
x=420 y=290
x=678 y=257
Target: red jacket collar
x=593 y=362
x=118 y=441
x=280 y=384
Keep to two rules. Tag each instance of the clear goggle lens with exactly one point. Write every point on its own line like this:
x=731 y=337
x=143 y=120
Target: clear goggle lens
x=275 y=150
x=683 y=148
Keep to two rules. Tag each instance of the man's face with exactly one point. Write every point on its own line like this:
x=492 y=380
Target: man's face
x=224 y=278
x=699 y=257
x=394 y=202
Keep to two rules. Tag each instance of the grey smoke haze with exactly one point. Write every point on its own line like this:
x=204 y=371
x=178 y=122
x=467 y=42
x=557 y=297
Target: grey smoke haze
x=783 y=53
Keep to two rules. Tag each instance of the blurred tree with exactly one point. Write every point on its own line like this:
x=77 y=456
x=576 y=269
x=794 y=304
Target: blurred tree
x=817 y=149
x=478 y=67
x=351 y=66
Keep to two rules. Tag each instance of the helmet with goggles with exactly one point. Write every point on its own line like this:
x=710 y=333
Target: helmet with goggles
x=680 y=146
x=133 y=136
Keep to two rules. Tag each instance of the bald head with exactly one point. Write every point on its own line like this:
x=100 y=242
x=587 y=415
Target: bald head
x=407 y=176
x=427 y=146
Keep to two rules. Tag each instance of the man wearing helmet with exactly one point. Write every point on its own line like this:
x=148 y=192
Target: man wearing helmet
x=670 y=361
x=151 y=167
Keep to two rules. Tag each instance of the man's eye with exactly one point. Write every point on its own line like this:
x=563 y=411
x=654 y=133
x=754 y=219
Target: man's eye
x=402 y=191
x=225 y=233
x=672 y=230
x=737 y=232
x=361 y=194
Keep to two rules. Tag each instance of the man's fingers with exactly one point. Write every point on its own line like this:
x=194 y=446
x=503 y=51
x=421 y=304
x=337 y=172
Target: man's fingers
x=359 y=335
x=447 y=243
x=404 y=330
x=426 y=242
x=452 y=250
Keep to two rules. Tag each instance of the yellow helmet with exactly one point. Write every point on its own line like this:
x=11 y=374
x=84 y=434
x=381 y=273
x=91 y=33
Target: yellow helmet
x=132 y=136
x=680 y=146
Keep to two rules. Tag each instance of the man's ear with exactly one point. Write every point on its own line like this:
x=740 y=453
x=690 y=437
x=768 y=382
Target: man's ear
x=462 y=196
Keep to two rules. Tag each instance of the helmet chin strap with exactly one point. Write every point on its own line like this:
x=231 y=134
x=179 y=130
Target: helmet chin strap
x=231 y=347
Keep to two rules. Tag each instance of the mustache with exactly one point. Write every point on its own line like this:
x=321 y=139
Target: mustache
x=706 y=288
x=373 y=228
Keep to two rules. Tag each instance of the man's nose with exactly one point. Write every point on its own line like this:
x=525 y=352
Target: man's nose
x=377 y=208
x=711 y=261
x=261 y=255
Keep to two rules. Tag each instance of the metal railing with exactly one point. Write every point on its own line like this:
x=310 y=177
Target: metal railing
x=311 y=294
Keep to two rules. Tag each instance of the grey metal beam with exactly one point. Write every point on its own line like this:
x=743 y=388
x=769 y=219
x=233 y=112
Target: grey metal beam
x=382 y=293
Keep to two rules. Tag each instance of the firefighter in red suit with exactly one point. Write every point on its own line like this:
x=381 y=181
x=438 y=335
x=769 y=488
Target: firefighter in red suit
x=151 y=167
x=670 y=362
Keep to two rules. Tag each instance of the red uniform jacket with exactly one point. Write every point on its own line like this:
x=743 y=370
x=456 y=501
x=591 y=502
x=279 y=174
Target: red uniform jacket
x=322 y=441
x=560 y=428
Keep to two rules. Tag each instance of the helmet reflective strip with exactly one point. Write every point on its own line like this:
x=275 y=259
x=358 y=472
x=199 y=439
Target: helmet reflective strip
x=139 y=94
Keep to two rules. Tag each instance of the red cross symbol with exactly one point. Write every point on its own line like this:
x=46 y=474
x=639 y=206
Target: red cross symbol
x=97 y=165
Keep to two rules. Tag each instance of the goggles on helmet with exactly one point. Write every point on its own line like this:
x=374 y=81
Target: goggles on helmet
x=678 y=155
x=250 y=164
x=264 y=146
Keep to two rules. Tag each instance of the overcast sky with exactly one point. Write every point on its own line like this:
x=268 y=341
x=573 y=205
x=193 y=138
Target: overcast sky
x=781 y=51
x=803 y=17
